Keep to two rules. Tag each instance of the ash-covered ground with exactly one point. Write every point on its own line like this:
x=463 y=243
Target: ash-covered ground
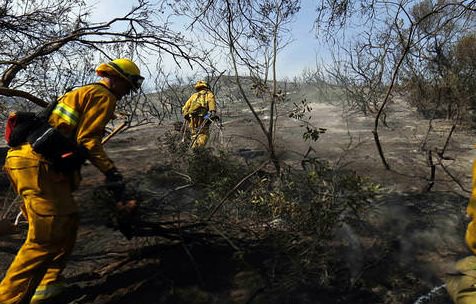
x=397 y=253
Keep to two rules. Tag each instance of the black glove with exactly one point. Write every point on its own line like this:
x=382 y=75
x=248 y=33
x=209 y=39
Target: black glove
x=125 y=217
x=115 y=183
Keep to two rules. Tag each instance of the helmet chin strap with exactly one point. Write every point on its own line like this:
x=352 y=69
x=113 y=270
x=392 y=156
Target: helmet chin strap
x=135 y=81
x=133 y=93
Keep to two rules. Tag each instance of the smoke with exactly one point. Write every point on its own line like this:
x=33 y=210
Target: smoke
x=353 y=255
x=416 y=233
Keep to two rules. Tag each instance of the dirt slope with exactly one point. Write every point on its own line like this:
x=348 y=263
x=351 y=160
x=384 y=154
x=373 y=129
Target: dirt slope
x=426 y=229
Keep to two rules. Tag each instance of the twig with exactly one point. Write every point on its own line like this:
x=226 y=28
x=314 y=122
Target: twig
x=442 y=152
x=187 y=177
x=173 y=190
x=17 y=218
x=114 y=132
x=195 y=266
x=182 y=187
x=234 y=189
x=161 y=196
x=15 y=200
x=453 y=178
x=143 y=228
x=112 y=267
x=77 y=301
x=431 y=181
x=226 y=238
x=184 y=128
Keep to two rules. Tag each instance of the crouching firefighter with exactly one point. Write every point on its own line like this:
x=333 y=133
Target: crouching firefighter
x=44 y=170
x=199 y=110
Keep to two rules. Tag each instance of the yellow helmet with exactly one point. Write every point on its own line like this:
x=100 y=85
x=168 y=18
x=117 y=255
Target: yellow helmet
x=201 y=84
x=124 y=68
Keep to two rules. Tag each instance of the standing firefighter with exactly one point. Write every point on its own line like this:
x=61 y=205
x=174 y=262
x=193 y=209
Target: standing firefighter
x=198 y=110
x=46 y=180
x=461 y=284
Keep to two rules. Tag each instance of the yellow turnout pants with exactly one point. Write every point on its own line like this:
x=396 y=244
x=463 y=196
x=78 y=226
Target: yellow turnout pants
x=461 y=284
x=199 y=131
x=52 y=217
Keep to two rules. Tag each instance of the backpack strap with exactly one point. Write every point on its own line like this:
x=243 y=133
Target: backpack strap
x=197 y=104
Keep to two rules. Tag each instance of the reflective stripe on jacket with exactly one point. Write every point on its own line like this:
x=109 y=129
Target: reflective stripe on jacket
x=83 y=114
x=70 y=115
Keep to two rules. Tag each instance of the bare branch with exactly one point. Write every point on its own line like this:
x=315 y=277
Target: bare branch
x=22 y=94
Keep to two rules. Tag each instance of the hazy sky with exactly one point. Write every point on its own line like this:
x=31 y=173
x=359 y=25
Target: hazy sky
x=292 y=60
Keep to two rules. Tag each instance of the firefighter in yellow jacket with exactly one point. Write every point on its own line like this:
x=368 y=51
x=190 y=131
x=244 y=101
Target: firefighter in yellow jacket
x=199 y=109
x=48 y=205
x=461 y=283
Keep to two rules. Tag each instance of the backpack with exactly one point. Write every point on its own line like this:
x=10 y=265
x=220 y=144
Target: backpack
x=199 y=105
x=20 y=125
x=63 y=153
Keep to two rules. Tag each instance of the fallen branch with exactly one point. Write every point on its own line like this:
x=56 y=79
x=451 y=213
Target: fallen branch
x=175 y=233
x=228 y=240
x=113 y=266
x=114 y=132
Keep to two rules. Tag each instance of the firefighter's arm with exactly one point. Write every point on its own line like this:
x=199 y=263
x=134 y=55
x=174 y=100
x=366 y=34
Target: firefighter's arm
x=186 y=107
x=97 y=113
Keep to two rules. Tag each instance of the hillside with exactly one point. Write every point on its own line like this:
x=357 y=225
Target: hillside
x=397 y=251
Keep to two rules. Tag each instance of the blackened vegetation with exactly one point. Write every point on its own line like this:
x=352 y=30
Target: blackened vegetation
x=214 y=228
x=306 y=236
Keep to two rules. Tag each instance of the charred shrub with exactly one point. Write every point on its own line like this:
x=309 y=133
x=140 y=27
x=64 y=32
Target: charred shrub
x=177 y=148
x=314 y=200
x=294 y=219
x=216 y=171
x=285 y=225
